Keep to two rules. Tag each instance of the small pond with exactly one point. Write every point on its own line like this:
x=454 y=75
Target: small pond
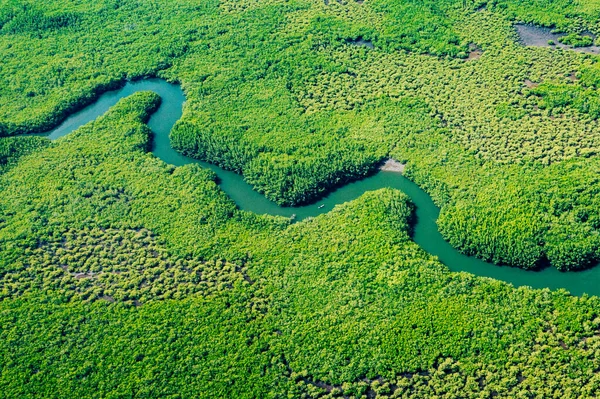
x=536 y=36
x=360 y=42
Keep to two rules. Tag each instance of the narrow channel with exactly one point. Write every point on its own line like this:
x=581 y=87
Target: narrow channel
x=426 y=233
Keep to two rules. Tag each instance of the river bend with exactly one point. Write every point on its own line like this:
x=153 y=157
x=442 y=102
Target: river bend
x=426 y=233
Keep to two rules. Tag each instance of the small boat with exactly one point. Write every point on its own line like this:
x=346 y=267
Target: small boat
x=321 y=206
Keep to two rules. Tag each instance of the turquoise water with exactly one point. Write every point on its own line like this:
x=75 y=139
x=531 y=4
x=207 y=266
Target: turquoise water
x=425 y=234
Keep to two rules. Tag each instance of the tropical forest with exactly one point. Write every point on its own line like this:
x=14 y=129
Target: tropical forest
x=300 y=199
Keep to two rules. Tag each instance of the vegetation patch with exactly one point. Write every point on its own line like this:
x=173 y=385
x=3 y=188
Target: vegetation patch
x=123 y=276
x=12 y=148
x=128 y=266
x=29 y=19
x=576 y=40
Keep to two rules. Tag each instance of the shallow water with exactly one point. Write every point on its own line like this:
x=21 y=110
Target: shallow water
x=539 y=37
x=360 y=42
x=425 y=232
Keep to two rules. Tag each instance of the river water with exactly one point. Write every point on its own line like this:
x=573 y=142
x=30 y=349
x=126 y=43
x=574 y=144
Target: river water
x=425 y=234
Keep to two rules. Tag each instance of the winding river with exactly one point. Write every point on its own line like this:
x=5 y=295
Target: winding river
x=425 y=230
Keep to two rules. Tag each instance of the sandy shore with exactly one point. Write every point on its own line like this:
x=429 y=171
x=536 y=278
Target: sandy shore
x=391 y=165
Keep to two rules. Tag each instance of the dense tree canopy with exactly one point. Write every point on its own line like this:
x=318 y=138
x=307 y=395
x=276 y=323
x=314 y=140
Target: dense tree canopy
x=283 y=92
x=122 y=276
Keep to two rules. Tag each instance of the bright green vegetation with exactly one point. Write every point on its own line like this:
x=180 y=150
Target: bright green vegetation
x=277 y=92
x=581 y=94
x=576 y=40
x=122 y=276
x=12 y=148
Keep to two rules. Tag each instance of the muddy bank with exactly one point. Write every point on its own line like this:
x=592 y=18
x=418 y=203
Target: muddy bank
x=474 y=55
x=530 y=84
x=391 y=165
